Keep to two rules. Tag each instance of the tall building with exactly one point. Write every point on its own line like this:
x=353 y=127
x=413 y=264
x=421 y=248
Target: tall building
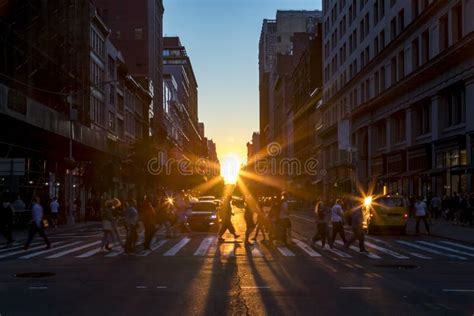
x=276 y=39
x=399 y=92
x=178 y=64
x=137 y=31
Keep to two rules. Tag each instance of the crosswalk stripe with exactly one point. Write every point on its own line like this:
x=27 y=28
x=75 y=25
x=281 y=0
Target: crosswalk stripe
x=369 y=254
x=154 y=247
x=387 y=251
x=204 y=246
x=18 y=247
x=413 y=245
x=39 y=253
x=90 y=253
x=286 y=252
x=17 y=252
x=66 y=252
x=173 y=251
x=419 y=255
x=446 y=248
x=458 y=245
x=114 y=253
x=340 y=253
x=256 y=252
x=227 y=250
x=310 y=251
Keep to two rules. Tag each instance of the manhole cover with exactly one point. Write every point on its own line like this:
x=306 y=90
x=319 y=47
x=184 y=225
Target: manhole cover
x=35 y=275
x=397 y=266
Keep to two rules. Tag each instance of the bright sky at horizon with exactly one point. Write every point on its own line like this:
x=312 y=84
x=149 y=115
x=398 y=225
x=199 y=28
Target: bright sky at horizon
x=221 y=38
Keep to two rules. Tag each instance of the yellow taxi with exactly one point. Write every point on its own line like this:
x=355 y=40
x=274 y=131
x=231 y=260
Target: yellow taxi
x=385 y=213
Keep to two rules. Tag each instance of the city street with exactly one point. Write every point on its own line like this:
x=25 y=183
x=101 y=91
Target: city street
x=193 y=274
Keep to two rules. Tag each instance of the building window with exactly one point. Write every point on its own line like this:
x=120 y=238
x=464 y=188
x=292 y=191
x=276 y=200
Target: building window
x=393 y=29
x=415 y=54
x=423 y=117
x=112 y=95
x=382 y=8
x=393 y=71
x=457 y=23
x=454 y=105
x=415 y=11
x=382 y=78
x=376 y=45
x=138 y=33
x=111 y=124
x=443 y=33
x=401 y=21
x=401 y=65
x=399 y=128
x=376 y=12
x=97 y=111
x=376 y=83
x=425 y=46
x=111 y=66
x=382 y=39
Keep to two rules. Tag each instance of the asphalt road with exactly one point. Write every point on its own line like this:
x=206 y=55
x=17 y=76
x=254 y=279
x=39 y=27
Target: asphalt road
x=194 y=275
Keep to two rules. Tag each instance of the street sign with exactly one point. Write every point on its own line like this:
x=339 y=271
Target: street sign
x=12 y=167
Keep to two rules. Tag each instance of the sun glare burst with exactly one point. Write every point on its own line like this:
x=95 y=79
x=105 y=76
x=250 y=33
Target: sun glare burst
x=230 y=168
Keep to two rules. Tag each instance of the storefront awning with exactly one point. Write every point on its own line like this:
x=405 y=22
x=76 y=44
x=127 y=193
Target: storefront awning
x=461 y=169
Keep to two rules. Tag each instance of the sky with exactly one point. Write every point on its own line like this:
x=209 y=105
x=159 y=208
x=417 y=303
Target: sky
x=221 y=38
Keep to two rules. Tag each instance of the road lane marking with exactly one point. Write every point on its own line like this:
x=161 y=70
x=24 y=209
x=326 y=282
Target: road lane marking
x=19 y=247
x=368 y=254
x=204 y=246
x=310 y=251
x=114 y=253
x=154 y=247
x=39 y=253
x=419 y=255
x=458 y=245
x=413 y=245
x=37 y=288
x=22 y=251
x=355 y=288
x=227 y=250
x=140 y=287
x=446 y=248
x=256 y=252
x=339 y=253
x=285 y=251
x=90 y=253
x=161 y=287
x=176 y=248
x=254 y=287
x=385 y=250
x=63 y=253
x=458 y=290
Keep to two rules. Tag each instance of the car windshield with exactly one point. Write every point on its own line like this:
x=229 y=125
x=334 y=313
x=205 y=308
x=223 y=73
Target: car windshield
x=204 y=207
x=390 y=202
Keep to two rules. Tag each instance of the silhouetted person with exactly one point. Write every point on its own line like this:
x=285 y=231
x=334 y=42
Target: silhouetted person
x=226 y=219
x=357 y=229
x=337 y=219
x=148 y=215
x=6 y=220
x=36 y=225
x=249 y=222
x=322 y=226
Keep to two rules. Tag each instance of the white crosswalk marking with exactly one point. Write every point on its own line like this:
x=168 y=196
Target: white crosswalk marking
x=446 y=248
x=368 y=254
x=64 y=253
x=154 y=247
x=90 y=253
x=306 y=248
x=419 y=255
x=176 y=248
x=228 y=250
x=385 y=250
x=114 y=253
x=256 y=252
x=413 y=245
x=458 y=245
x=204 y=246
x=339 y=253
x=19 y=247
x=39 y=253
x=286 y=252
x=17 y=252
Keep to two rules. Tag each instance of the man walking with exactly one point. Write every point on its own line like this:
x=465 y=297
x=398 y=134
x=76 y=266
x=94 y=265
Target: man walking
x=337 y=219
x=37 y=224
x=6 y=220
x=226 y=219
x=148 y=215
x=357 y=230
x=436 y=207
x=54 y=206
x=421 y=215
x=322 y=232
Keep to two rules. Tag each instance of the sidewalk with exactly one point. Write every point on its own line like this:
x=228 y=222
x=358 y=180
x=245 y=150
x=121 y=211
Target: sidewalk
x=444 y=229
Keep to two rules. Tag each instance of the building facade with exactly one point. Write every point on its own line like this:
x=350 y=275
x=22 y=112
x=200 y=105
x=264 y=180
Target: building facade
x=401 y=73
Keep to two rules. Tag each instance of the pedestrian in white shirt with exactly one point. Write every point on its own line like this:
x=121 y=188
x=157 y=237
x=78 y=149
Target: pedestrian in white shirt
x=37 y=224
x=421 y=213
x=337 y=219
x=54 y=206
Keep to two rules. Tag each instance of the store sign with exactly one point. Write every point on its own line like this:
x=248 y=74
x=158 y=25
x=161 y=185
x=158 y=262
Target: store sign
x=12 y=167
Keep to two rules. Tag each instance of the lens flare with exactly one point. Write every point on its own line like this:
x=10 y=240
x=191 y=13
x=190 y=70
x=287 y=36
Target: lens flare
x=230 y=168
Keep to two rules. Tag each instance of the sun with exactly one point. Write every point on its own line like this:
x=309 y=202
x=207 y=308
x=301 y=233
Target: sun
x=230 y=168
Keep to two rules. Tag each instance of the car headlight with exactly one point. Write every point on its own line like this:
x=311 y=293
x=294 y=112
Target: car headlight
x=368 y=201
x=214 y=216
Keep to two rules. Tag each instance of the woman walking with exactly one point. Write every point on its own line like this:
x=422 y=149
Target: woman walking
x=322 y=226
x=226 y=219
